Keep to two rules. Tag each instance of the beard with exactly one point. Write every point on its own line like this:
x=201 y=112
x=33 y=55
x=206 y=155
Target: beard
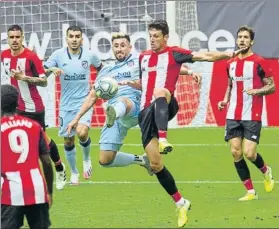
x=245 y=50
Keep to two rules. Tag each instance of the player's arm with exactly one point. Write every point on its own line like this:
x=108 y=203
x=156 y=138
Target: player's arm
x=212 y=56
x=96 y=63
x=266 y=75
x=184 y=70
x=46 y=162
x=51 y=65
x=38 y=77
x=90 y=100
x=227 y=96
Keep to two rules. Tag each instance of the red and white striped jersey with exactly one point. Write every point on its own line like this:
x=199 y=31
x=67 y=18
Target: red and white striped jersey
x=161 y=70
x=29 y=98
x=246 y=73
x=22 y=182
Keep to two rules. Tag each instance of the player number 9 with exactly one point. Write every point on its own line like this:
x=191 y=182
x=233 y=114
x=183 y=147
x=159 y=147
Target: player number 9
x=18 y=141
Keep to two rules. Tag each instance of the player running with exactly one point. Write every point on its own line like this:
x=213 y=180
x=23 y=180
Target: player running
x=72 y=64
x=249 y=80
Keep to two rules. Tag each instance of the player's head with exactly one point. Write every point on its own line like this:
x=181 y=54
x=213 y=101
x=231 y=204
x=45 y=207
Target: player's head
x=245 y=37
x=15 y=37
x=121 y=46
x=158 y=35
x=74 y=37
x=9 y=99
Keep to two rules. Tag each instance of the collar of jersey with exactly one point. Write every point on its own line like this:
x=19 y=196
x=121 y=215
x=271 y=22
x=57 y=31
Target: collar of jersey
x=80 y=53
x=124 y=61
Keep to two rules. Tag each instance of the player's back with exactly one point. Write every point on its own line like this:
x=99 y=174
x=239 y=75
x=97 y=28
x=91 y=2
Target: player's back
x=21 y=178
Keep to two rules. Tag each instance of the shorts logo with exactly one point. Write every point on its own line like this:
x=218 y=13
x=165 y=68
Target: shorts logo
x=84 y=64
x=254 y=137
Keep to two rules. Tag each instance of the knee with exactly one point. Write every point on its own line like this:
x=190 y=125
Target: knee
x=156 y=166
x=106 y=158
x=250 y=154
x=69 y=143
x=237 y=153
x=82 y=134
x=161 y=92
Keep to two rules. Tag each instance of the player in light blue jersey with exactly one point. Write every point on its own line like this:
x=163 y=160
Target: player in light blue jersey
x=122 y=110
x=72 y=64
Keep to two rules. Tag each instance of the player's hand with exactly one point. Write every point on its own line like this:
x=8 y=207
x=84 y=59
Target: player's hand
x=71 y=126
x=17 y=74
x=131 y=83
x=197 y=77
x=251 y=91
x=56 y=71
x=236 y=52
x=49 y=200
x=221 y=105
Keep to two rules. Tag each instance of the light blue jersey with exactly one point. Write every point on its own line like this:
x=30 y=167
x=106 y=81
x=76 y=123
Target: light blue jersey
x=75 y=80
x=112 y=138
x=122 y=71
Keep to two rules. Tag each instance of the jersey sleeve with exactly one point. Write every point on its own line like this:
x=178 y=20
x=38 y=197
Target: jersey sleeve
x=43 y=146
x=96 y=62
x=37 y=66
x=140 y=59
x=52 y=61
x=136 y=69
x=263 y=69
x=182 y=55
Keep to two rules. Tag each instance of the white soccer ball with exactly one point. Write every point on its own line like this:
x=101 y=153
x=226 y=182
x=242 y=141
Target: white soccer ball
x=106 y=87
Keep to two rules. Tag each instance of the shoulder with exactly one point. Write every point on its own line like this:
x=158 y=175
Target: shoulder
x=179 y=50
x=146 y=52
x=258 y=59
x=5 y=53
x=30 y=54
x=59 y=52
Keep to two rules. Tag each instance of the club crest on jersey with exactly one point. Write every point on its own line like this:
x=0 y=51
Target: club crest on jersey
x=84 y=64
x=130 y=63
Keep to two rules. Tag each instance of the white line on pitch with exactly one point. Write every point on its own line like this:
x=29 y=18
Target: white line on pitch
x=184 y=145
x=178 y=182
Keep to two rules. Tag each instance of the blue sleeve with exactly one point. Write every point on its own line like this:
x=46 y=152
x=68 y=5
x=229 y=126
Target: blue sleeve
x=52 y=60
x=95 y=61
x=136 y=69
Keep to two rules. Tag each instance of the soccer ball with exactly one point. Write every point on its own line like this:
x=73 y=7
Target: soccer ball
x=106 y=87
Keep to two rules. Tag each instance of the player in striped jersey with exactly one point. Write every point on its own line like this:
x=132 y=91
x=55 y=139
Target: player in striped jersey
x=24 y=191
x=249 y=79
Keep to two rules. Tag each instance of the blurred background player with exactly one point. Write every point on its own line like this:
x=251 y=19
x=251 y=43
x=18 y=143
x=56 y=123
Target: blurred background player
x=25 y=71
x=73 y=65
x=23 y=187
x=249 y=80
x=159 y=68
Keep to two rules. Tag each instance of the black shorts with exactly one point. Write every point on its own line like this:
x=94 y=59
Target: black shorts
x=37 y=216
x=147 y=123
x=250 y=130
x=37 y=116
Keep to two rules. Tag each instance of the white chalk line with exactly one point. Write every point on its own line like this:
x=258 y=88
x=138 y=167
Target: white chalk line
x=156 y=182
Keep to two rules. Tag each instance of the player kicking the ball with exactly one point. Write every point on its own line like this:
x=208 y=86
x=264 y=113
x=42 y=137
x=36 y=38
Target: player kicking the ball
x=123 y=109
x=159 y=68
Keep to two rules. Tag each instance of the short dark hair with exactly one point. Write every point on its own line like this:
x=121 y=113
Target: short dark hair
x=74 y=28
x=9 y=99
x=160 y=25
x=248 y=29
x=15 y=28
x=119 y=35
